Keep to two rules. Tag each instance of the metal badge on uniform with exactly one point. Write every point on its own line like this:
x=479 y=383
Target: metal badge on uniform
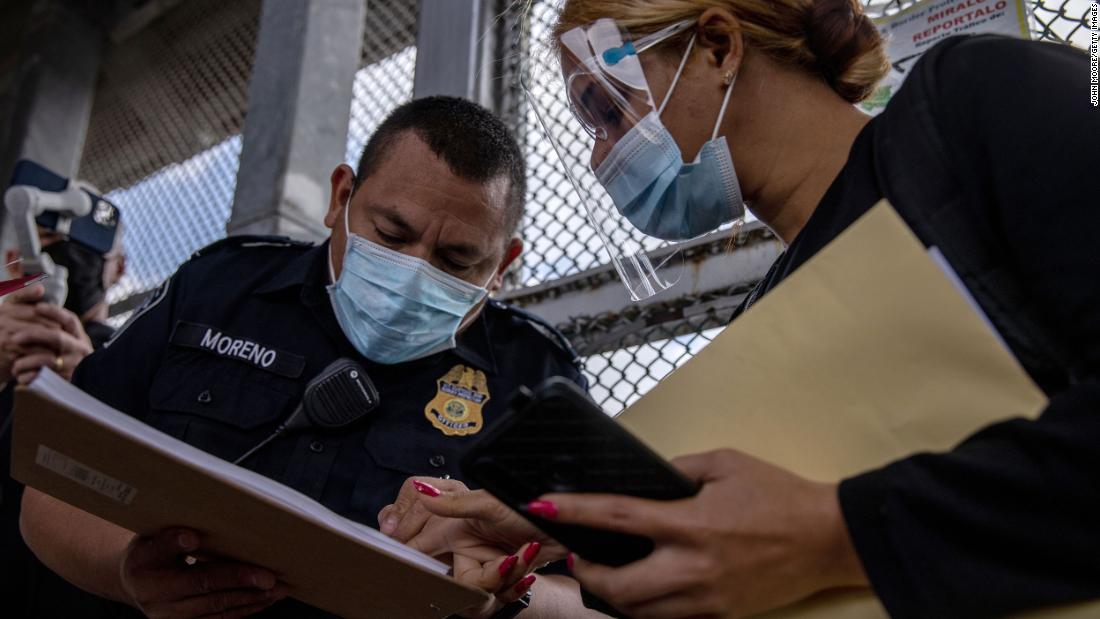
x=456 y=408
x=214 y=340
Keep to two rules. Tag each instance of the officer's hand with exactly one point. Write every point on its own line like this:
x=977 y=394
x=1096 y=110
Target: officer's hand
x=59 y=349
x=159 y=582
x=406 y=516
x=508 y=578
x=756 y=537
x=439 y=516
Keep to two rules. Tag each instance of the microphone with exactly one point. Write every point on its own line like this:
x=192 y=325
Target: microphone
x=339 y=396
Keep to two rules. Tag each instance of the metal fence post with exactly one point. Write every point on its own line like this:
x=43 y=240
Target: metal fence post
x=65 y=86
x=297 y=120
x=53 y=92
x=447 y=48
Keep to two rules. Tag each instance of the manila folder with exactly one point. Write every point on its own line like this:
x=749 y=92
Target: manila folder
x=69 y=445
x=867 y=353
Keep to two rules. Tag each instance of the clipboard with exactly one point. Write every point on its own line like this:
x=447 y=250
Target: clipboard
x=80 y=451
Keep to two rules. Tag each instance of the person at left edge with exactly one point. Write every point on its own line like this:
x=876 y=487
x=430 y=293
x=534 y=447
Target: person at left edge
x=34 y=334
x=222 y=352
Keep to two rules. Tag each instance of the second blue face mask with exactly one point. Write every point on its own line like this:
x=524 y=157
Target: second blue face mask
x=663 y=197
x=395 y=308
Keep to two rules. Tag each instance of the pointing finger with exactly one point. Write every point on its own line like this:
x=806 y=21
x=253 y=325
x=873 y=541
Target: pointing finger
x=411 y=493
x=476 y=504
x=613 y=512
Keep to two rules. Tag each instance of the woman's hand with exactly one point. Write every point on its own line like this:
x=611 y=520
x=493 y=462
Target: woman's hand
x=444 y=519
x=508 y=578
x=440 y=516
x=756 y=537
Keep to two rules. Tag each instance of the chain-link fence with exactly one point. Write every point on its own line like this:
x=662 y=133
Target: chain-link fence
x=388 y=65
x=627 y=353
x=164 y=138
x=559 y=244
x=164 y=144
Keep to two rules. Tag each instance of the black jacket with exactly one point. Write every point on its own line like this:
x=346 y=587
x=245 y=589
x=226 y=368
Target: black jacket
x=989 y=153
x=189 y=364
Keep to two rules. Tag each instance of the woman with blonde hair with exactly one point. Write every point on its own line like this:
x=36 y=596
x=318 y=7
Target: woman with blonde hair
x=698 y=107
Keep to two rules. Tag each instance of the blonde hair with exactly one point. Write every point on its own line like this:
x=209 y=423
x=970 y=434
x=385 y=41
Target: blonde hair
x=830 y=38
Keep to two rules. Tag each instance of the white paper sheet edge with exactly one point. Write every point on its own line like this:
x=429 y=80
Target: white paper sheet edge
x=50 y=385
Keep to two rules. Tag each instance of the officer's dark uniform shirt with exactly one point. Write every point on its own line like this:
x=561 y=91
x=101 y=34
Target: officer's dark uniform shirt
x=223 y=351
x=1010 y=519
x=99 y=333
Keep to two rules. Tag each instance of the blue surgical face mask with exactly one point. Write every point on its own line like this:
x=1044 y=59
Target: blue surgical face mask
x=395 y=308
x=649 y=183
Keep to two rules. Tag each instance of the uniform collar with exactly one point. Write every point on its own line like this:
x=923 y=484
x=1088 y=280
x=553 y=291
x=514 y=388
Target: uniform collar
x=296 y=272
x=475 y=344
x=309 y=272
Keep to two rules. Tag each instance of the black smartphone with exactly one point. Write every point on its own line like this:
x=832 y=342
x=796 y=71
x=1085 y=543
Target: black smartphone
x=96 y=230
x=556 y=439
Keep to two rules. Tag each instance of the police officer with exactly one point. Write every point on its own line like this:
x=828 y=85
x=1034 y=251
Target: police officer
x=422 y=231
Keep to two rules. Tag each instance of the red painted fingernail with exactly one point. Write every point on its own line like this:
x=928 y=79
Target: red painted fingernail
x=427 y=489
x=569 y=561
x=531 y=552
x=546 y=509
x=508 y=564
x=525 y=584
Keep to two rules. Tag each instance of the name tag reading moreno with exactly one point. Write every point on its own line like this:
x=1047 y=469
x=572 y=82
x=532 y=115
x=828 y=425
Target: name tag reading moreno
x=214 y=340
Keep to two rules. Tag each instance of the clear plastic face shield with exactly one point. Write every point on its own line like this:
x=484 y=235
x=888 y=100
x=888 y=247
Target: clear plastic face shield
x=599 y=116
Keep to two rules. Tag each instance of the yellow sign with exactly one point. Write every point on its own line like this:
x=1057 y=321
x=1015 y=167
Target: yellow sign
x=456 y=408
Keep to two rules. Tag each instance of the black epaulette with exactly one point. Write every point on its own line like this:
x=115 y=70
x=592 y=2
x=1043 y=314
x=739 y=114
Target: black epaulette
x=251 y=240
x=548 y=330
